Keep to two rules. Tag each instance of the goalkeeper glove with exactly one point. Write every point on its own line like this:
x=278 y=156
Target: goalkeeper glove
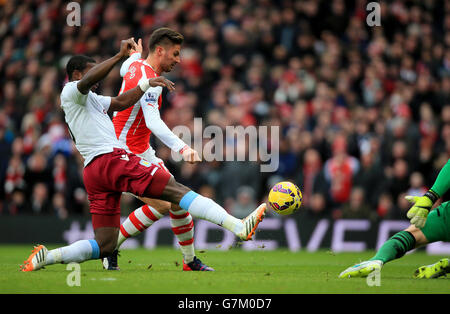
x=422 y=205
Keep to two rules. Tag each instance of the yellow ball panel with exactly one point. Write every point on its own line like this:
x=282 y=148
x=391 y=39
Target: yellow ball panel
x=285 y=198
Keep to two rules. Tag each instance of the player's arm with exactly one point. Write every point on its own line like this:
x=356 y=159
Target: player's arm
x=422 y=204
x=100 y=71
x=127 y=63
x=135 y=54
x=132 y=96
x=154 y=122
x=442 y=183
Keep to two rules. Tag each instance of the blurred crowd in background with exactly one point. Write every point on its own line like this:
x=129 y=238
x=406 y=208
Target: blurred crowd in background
x=364 y=112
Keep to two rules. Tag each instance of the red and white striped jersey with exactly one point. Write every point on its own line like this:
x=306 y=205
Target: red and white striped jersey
x=134 y=125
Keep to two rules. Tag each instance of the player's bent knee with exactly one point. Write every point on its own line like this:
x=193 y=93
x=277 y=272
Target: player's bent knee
x=175 y=207
x=421 y=240
x=174 y=191
x=163 y=207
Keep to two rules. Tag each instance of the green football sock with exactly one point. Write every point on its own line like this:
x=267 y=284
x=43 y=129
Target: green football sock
x=395 y=247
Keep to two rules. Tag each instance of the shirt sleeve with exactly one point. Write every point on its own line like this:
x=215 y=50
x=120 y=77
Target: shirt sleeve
x=149 y=105
x=71 y=94
x=105 y=101
x=126 y=64
x=442 y=183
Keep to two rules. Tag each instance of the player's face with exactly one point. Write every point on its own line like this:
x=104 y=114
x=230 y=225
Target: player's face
x=171 y=57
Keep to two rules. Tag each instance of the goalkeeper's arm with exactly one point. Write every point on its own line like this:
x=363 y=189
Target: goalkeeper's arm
x=442 y=183
x=423 y=204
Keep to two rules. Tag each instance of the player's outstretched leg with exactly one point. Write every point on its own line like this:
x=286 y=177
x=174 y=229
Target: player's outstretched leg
x=435 y=229
x=393 y=248
x=78 y=252
x=205 y=208
x=438 y=269
x=362 y=269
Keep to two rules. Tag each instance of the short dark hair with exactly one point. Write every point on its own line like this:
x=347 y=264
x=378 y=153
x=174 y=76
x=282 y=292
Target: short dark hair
x=79 y=63
x=163 y=36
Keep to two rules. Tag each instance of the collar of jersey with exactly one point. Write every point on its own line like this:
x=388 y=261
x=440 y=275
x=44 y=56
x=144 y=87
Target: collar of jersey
x=145 y=62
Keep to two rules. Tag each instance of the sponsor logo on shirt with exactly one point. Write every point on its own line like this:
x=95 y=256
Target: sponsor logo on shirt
x=132 y=71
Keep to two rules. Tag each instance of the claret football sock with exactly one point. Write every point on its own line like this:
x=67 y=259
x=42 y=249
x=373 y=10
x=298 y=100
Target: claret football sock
x=77 y=252
x=395 y=247
x=205 y=208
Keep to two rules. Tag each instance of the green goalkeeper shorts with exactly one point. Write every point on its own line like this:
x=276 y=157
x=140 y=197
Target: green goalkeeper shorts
x=437 y=226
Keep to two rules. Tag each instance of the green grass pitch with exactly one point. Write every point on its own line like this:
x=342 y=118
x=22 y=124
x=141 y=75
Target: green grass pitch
x=237 y=272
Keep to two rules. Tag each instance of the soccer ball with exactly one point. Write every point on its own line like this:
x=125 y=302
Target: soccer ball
x=285 y=198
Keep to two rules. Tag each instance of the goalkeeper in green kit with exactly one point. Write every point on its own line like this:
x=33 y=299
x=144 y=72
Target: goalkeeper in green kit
x=427 y=226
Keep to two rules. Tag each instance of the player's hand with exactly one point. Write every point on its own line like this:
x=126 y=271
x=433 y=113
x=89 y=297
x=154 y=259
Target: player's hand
x=137 y=47
x=190 y=155
x=422 y=205
x=163 y=82
x=126 y=46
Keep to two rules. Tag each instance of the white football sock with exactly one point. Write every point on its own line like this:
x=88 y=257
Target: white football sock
x=205 y=208
x=77 y=252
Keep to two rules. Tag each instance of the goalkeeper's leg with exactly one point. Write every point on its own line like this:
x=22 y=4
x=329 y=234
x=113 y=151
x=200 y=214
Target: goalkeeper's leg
x=394 y=248
x=438 y=269
x=437 y=228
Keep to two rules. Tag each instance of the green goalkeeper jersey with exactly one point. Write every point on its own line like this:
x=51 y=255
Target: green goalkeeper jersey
x=437 y=227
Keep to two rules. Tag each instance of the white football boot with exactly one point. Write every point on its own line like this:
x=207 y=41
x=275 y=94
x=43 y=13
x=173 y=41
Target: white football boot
x=362 y=269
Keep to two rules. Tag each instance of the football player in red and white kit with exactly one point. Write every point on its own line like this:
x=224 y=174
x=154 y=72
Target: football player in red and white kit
x=109 y=170
x=133 y=129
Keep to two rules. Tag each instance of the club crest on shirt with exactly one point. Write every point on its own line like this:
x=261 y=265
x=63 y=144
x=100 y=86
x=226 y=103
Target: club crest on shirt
x=145 y=163
x=151 y=97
